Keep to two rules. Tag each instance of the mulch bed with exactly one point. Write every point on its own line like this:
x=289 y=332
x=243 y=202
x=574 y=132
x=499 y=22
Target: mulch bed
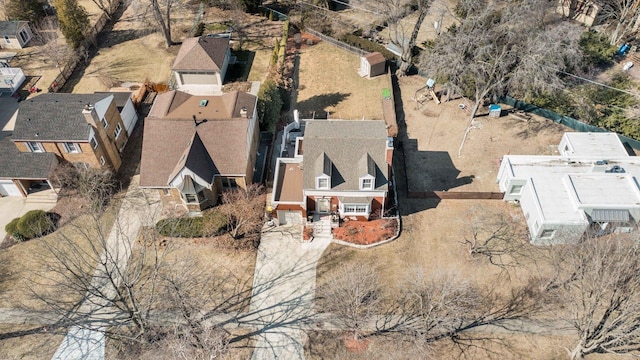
x=355 y=346
x=366 y=232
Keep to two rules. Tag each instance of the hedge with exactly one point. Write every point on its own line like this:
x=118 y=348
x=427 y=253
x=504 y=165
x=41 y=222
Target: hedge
x=367 y=45
x=33 y=224
x=187 y=227
x=12 y=226
x=269 y=105
x=211 y=223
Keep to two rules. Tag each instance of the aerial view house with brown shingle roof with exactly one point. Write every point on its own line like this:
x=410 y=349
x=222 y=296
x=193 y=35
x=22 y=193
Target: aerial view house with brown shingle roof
x=201 y=64
x=340 y=167
x=195 y=147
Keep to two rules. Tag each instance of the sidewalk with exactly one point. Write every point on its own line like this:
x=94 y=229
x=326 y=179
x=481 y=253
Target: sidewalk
x=139 y=208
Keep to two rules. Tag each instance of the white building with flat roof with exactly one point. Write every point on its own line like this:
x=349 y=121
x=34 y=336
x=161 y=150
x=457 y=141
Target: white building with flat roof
x=591 y=186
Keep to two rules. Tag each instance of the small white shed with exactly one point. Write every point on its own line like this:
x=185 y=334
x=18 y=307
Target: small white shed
x=372 y=64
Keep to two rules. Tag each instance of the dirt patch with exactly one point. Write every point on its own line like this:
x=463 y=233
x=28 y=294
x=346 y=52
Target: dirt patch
x=355 y=345
x=366 y=232
x=330 y=86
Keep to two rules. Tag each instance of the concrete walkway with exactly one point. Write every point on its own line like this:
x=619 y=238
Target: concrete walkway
x=282 y=301
x=139 y=208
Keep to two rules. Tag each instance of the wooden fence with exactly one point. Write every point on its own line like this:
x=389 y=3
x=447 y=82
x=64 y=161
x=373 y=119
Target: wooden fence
x=456 y=195
x=91 y=38
x=335 y=42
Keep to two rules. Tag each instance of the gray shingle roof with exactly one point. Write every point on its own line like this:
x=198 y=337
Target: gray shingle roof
x=9 y=27
x=54 y=117
x=24 y=165
x=345 y=143
x=120 y=97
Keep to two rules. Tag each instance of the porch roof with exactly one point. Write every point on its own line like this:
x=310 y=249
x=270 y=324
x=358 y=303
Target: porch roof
x=24 y=165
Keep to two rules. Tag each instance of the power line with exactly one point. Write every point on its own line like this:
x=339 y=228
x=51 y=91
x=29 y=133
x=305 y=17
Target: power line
x=598 y=83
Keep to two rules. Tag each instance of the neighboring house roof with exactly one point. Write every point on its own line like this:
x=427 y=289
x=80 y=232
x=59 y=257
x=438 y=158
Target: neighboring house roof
x=172 y=141
x=603 y=145
x=24 y=165
x=120 y=97
x=54 y=117
x=202 y=53
x=348 y=145
x=10 y=27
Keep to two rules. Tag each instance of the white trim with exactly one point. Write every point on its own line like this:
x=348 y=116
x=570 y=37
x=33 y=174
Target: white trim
x=375 y=193
x=323 y=177
x=35 y=147
x=363 y=179
x=117 y=131
x=72 y=147
x=102 y=160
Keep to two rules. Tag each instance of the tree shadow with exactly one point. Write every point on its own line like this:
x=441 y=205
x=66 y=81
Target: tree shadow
x=115 y=37
x=308 y=108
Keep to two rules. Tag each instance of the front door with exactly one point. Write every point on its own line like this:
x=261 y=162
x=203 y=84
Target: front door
x=323 y=206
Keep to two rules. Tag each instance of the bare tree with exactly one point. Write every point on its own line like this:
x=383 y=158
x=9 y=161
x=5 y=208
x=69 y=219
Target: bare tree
x=430 y=308
x=94 y=185
x=571 y=9
x=244 y=210
x=399 y=26
x=46 y=34
x=105 y=6
x=503 y=48
x=162 y=10
x=498 y=237
x=495 y=50
x=353 y=294
x=597 y=284
x=622 y=17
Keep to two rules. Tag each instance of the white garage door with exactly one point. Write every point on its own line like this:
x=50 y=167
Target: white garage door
x=8 y=188
x=289 y=217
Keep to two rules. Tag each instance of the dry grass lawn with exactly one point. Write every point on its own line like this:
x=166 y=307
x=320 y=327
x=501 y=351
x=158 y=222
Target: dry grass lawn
x=132 y=52
x=329 y=84
x=508 y=347
x=25 y=265
x=40 y=345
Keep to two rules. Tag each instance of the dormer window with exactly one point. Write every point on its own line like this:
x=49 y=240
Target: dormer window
x=324 y=168
x=366 y=183
x=322 y=182
x=367 y=170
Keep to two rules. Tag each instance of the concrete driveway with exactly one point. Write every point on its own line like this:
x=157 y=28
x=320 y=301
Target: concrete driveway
x=15 y=206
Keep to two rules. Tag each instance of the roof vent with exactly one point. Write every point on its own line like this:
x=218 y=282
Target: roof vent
x=616 y=170
x=203 y=102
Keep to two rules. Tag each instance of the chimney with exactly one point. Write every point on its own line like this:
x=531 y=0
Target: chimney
x=243 y=112
x=90 y=115
x=296 y=118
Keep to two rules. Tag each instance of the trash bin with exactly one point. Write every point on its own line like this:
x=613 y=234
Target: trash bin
x=495 y=110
